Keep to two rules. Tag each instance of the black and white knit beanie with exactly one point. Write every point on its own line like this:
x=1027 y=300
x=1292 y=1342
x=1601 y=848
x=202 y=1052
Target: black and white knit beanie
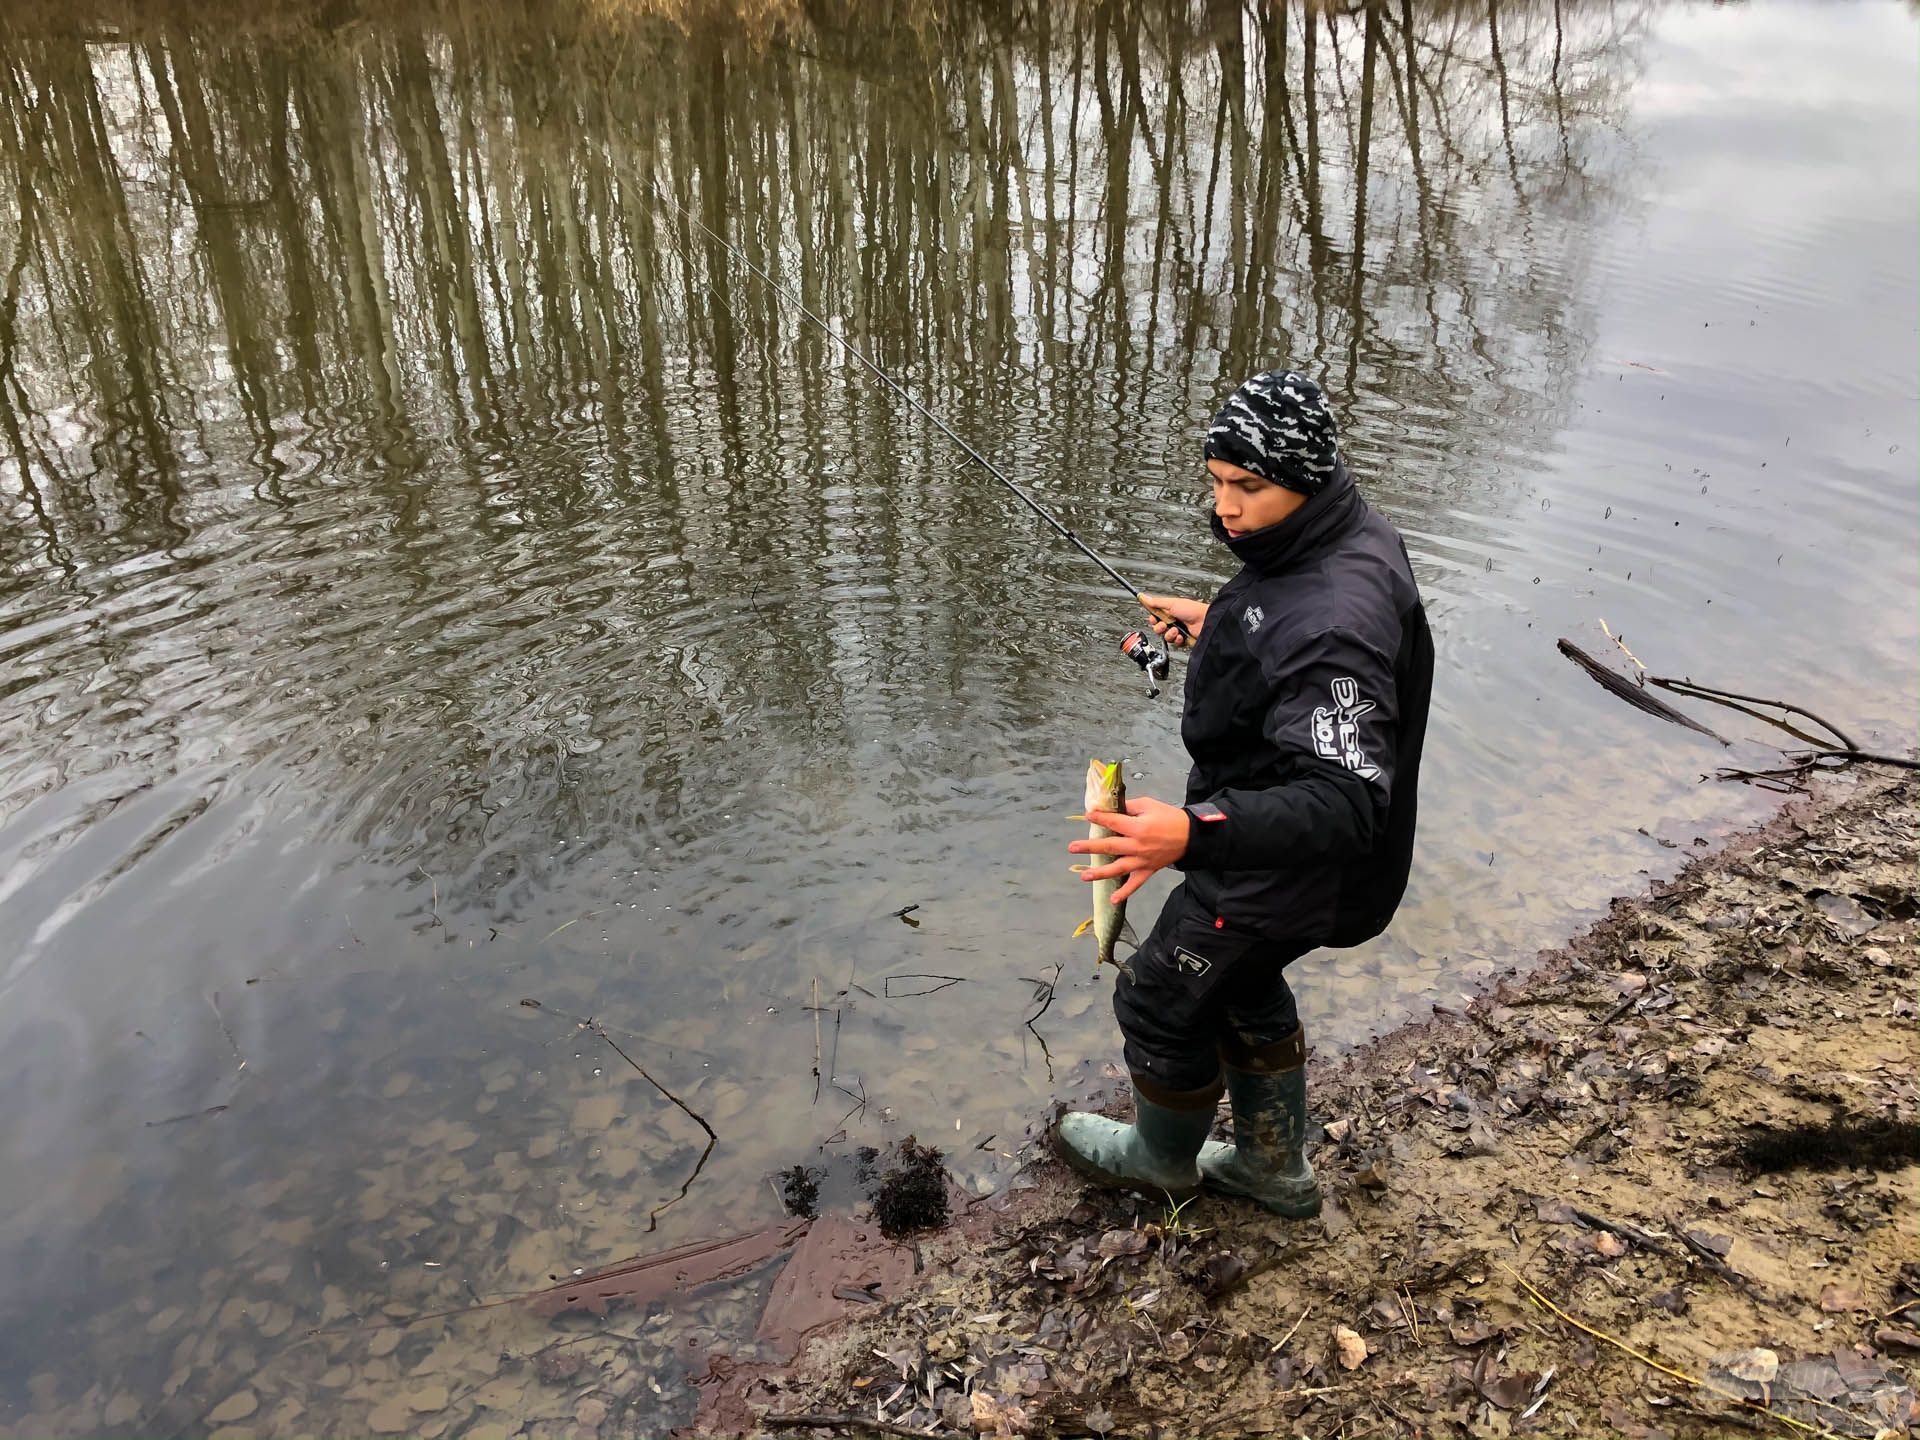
x=1278 y=426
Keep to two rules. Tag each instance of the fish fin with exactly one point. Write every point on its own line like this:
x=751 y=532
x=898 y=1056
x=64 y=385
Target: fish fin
x=1085 y=925
x=1078 y=868
x=1076 y=817
x=1127 y=934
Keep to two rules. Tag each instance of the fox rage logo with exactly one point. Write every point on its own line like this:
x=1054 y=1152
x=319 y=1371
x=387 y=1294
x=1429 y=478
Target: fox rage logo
x=1336 y=731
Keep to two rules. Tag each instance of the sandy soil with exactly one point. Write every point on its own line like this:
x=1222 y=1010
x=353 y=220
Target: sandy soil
x=1661 y=1184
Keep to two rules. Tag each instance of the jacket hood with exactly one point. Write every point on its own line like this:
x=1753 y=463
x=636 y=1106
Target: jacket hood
x=1323 y=519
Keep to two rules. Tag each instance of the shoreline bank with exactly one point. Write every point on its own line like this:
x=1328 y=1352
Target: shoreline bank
x=1653 y=1185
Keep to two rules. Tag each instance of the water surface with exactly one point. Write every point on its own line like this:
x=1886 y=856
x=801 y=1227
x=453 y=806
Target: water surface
x=435 y=575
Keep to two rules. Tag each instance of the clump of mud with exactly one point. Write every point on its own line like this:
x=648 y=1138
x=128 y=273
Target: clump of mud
x=912 y=1195
x=800 y=1192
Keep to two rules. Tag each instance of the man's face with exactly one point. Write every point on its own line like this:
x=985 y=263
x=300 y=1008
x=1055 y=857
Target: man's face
x=1245 y=503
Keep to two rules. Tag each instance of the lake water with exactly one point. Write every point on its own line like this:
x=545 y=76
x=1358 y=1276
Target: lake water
x=435 y=575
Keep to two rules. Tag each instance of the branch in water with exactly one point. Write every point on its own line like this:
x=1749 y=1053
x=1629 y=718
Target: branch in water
x=653 y=1216
x=1631 y=693
x=1708 y=692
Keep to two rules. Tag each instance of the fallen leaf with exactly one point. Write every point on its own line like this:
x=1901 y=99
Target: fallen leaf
x=1721 y=1245
x=1334 y=1219
x=1353 y=1350
x=1836 y=1297
x=1477 y=1333
x=1756 y=1366
x=1552 y=1212
x=1220 y=1273
x=993 y=1416
x=1122 y=1242
x=1891 y=1337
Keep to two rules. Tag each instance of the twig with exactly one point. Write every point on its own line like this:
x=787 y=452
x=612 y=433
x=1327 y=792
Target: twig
x=946 y=980
x=213 y=999
x=1623 y=650
x=861 y=1098
x=565 y=924
x=1708 y=692
x=653 y=1216
x=1622 y=1346
x=1046 y=1000
x=1712 y=1261
x=1897 y=1310
x=211 y=1110
x=1633 y=1234
x=822 y=1420
x=436 y=897
x=1865 y=757
x=833 y=1060
x=1281 y=1343
x=1614 y=1014
x=816 y=1039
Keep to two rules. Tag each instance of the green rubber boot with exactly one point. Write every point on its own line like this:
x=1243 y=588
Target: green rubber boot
x=1268 y=1160
x=1155 y=1153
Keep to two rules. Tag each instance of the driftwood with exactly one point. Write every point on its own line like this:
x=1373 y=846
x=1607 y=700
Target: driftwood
x=676 y=1271
x=1633 y=694
x=1800 y=762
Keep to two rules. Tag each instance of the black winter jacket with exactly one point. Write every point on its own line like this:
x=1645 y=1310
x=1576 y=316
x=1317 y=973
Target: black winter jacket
x=1306 y=708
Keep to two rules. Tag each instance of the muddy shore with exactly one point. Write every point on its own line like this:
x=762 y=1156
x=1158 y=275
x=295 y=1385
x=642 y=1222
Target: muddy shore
x=1660 y=1182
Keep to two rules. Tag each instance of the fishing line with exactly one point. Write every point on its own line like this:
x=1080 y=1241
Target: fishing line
x=1155 y=669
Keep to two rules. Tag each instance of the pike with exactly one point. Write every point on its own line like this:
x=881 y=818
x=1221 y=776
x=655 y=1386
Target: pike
x=1106 y=790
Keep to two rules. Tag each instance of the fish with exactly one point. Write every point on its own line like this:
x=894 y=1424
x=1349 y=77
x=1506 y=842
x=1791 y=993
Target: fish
x=1106 y=790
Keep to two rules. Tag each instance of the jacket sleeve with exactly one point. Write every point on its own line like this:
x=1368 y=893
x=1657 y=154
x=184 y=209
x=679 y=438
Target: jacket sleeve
x=1333 y=718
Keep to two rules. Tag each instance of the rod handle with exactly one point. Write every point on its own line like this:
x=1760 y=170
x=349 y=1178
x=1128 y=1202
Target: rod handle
x=1173 y=625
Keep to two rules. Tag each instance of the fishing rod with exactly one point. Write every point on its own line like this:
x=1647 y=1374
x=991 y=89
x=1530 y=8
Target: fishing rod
x=1135 y=646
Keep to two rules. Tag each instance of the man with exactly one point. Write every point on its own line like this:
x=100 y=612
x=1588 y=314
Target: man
x=1306 y=707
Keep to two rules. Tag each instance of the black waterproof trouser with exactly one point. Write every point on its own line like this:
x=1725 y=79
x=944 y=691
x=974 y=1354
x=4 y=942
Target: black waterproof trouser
x=1200 y=992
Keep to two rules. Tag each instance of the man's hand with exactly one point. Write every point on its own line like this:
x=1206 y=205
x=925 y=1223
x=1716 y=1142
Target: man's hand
x=1191 y=614
x=1149 y=837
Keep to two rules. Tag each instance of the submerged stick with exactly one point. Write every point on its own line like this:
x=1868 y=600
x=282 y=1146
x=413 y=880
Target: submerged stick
x=687 y=1267
x=653 y=1215
x=213 y=1000
x=1053 y=987
x=945 y=982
